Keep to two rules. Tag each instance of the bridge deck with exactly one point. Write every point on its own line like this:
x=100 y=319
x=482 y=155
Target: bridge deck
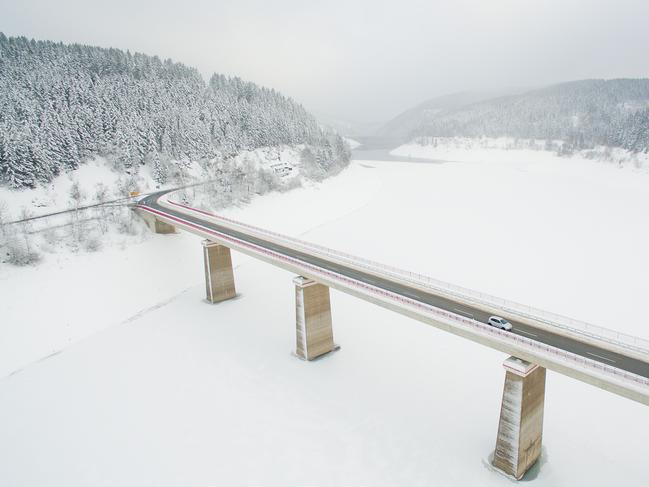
x=591 y=353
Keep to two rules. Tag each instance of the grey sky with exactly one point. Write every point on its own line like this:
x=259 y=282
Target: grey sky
x=364 y=60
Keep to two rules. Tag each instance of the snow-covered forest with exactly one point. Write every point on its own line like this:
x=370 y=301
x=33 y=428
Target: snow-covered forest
x=63 y=104
x=581 y=114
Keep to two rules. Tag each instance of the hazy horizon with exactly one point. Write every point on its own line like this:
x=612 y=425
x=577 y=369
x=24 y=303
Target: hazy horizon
x=362 y=62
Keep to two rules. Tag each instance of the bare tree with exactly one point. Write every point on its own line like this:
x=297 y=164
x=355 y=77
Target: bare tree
x=3 y=218
x=20 y=250
x=101 y=212
x=76 y=195
x=76 y=198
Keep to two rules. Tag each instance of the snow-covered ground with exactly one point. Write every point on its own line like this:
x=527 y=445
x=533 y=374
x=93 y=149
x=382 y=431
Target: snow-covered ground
x=55 y=196
x=506 y=149
x=124 y=376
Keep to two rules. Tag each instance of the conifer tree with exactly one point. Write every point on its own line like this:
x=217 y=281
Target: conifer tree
x=61 y=105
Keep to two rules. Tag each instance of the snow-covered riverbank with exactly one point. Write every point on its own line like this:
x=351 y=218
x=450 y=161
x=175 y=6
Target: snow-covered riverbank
x=507 y=149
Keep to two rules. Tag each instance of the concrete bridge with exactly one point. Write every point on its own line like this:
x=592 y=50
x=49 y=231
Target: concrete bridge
x=538 y=341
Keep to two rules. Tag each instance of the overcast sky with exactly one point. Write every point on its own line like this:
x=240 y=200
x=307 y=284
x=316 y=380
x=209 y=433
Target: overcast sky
x=366 y=60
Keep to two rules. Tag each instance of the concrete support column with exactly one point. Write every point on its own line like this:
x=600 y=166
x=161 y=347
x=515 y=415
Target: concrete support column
x=156 y=226
x=314 y=335
x=520 y=429
x=219 y=278
x=162 y=227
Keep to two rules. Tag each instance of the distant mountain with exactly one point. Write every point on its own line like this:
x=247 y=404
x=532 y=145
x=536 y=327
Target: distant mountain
x=345 y=127
x=62 y=104
x=403 y=125
x=582 y=114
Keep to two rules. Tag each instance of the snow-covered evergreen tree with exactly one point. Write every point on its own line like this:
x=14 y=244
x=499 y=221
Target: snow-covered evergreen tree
x=61 y=104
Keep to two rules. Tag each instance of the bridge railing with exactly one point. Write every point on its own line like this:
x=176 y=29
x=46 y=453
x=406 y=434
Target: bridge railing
x=565 y=355
x=639 y=383
x=593 y=368
x=550 y=319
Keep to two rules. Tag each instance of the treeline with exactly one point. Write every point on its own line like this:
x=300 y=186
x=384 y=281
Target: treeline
x=62 y=104
x=582 y=114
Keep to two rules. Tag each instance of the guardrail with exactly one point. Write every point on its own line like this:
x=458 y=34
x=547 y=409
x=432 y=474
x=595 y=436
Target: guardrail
x=445 y=316
x=623 y=340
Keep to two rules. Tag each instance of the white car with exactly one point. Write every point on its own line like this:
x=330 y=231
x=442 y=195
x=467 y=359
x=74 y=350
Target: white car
x=499 y=322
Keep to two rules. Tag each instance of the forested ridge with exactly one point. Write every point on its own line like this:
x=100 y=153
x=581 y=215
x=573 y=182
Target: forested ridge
x=63 y=104
x=582 y=114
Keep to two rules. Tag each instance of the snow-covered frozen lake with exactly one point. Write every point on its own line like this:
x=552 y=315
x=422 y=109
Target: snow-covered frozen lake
x=115 y=372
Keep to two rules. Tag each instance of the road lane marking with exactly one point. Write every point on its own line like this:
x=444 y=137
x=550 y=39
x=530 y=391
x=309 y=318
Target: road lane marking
x=527 y=333
x=599 y=356
x=463 y=312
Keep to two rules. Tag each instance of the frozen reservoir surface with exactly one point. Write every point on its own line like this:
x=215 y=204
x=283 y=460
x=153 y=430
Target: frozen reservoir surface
x=114 y=371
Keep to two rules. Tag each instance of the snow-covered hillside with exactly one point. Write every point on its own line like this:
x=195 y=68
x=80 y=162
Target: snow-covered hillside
x=230 y=182
x=115 y=372
x=61 y=105
x=403 y=125
x=283 y=161
x=582 y=114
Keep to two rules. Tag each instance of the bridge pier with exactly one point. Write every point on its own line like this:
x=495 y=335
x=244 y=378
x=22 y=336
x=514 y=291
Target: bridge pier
x=219 y=277
x=161 y=227
x=520 y=429
x=156 y=226
x=314 y=334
